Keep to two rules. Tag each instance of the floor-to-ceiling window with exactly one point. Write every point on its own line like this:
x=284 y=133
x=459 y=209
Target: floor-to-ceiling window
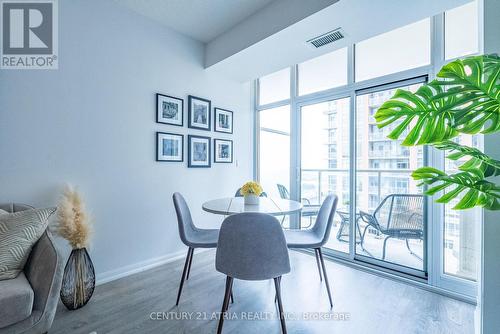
x=460 y=248
x=321 y=113
x=325 y=163
x=274 y=156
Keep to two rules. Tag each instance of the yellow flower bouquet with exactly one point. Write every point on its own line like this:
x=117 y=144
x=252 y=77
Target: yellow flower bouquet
x=251 y=192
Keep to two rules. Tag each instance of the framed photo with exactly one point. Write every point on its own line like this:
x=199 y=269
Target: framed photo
x=223 y=151
x=169 y=147
x=199 y=113
x=198 y=151
x=169 y=110
x=223 y=120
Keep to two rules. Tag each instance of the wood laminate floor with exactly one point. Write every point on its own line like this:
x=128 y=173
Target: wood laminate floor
x=363 y=303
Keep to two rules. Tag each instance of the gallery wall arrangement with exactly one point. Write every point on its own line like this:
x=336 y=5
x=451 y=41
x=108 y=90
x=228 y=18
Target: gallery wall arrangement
x=170 y=146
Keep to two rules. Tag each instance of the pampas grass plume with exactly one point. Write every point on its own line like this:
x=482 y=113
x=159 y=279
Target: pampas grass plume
x=72 y=219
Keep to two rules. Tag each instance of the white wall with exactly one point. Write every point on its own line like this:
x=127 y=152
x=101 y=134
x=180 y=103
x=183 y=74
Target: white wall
x=92 y=123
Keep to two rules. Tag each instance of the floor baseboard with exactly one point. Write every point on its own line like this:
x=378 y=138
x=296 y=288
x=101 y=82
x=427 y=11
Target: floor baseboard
x=138 y=267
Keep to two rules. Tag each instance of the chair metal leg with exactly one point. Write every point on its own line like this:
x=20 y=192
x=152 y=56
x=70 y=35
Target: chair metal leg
x=341 y=229
x=358 y=228
x=225 y=303
x=277 y=285
x=276 y=295
x=385 y=244
x=319 y=266
x=408 y=246
x=183 y=277
x=189 y=265
x=411 y=252
x=325 y=276
x=231 y=296
x=363 y=237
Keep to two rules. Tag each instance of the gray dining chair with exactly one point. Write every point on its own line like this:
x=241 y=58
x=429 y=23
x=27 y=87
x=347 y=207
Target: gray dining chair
x=191 y=236
x=316 y=236
x=252 y=247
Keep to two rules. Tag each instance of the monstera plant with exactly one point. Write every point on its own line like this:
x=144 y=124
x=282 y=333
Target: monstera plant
x=463 y=99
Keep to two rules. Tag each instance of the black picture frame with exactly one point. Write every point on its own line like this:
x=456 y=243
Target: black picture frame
x=161 y=157
x=216 y=158
x=191 y=162
x=191 y=123
x=159 y=119
x=217 y=127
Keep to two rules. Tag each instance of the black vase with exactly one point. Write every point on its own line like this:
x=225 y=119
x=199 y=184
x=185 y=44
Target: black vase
x=78 y=281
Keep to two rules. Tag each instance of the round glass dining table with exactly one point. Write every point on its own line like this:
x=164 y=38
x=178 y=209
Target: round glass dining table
x=233 y=205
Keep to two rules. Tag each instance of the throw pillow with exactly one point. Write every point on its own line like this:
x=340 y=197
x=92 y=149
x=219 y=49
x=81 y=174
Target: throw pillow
x=19 y=231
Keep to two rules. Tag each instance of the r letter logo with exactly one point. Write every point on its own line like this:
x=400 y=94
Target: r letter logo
x=29 y=34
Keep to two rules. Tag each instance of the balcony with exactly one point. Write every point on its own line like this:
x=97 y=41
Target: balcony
x=373 y=185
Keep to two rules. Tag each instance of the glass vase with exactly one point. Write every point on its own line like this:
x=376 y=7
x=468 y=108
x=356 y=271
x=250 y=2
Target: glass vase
x=78 y=281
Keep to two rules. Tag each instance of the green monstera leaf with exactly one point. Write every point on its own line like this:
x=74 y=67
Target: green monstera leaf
x=472 y=189
x=479 y=163
x=473 y=84
x=420 y=113
x=465 y=98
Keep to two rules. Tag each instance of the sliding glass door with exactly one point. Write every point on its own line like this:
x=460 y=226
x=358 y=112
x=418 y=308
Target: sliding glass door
x=389 y=205
x=389 y=210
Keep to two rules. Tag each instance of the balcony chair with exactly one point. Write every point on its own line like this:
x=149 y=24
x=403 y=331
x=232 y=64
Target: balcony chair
x=398 y=216
x=308 y=210
x=345 y=226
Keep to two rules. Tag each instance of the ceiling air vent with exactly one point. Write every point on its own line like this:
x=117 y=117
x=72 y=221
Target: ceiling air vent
x=327 y=38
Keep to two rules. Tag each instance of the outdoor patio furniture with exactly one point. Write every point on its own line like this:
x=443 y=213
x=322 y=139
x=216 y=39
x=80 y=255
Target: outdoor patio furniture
x=397 y=216
x=344 y=224
x=308 y=210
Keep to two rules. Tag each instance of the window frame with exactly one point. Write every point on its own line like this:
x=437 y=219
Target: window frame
x=437 y=280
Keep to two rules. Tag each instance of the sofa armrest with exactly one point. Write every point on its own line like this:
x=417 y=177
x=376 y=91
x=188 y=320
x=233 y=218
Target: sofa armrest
x=44 y=271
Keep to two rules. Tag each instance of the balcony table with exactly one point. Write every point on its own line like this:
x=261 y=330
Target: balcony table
x=271 y=206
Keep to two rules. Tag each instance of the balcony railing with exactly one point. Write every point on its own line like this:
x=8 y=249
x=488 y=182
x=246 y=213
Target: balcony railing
x=382 y=183
x=393 y=154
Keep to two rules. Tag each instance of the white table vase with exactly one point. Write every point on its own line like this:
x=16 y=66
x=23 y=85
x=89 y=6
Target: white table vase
x=251 y=200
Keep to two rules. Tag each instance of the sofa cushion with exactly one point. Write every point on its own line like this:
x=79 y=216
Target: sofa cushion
x=18 y=233
x=16 y=300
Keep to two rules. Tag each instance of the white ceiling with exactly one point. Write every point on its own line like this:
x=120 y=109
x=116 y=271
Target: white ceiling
x=236 y=55
x=202 y=20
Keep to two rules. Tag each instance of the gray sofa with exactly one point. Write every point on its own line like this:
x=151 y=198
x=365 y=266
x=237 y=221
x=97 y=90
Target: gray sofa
x=28 y=302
